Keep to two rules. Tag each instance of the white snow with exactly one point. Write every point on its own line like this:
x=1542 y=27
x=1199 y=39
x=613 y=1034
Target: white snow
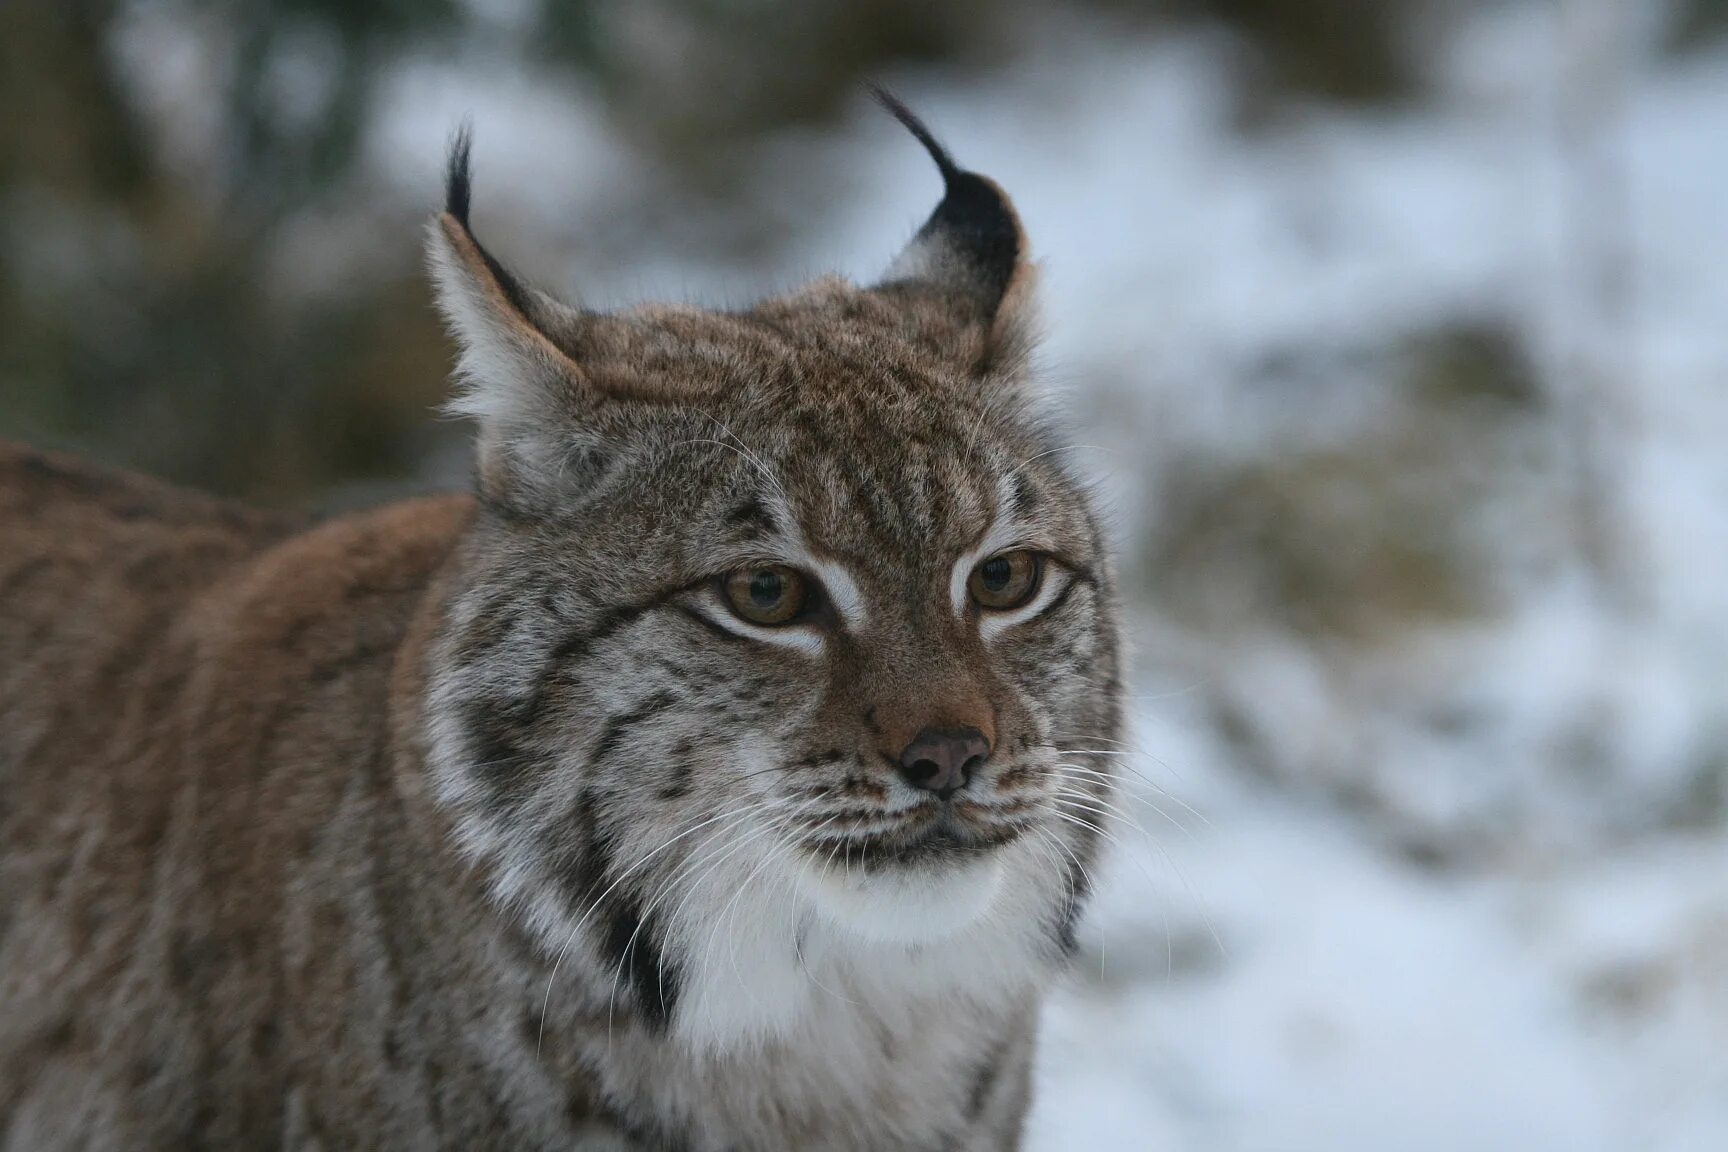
x=1318 y=995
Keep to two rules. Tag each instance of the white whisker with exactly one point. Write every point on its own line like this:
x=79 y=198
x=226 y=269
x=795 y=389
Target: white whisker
x=558 y=960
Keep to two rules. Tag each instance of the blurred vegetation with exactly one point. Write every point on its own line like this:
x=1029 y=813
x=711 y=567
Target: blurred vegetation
x=1698 y=24
x=1356 y=51
x=138 y=320
x=143 y=314
x=1377 y=529
x=140 y=315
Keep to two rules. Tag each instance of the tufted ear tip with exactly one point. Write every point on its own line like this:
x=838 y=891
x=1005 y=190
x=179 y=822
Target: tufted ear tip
x=972 y=246
x=511 y=356
x=458 y=173
x=921 y=132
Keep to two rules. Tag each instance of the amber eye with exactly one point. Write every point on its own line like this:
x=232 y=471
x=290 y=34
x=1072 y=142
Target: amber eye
x=766 y=594
x=1006 y=580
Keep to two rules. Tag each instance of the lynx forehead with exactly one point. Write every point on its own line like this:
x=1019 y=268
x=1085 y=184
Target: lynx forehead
x=725 y=773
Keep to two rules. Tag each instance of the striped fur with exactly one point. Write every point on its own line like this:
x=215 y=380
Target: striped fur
x=478 y=822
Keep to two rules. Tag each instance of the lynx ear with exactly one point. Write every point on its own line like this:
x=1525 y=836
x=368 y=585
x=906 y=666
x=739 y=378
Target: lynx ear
x=972 y=249
x=515 y=372
x=513 y=364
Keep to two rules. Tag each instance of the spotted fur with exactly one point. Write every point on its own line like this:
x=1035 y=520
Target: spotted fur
x=480 y=822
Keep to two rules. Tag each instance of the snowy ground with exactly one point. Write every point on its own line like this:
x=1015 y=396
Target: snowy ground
x=1264 y=980
x=1269 y=967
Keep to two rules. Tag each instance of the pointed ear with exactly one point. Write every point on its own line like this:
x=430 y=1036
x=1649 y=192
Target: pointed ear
x=514 y=373
x=971 y=251
x=511 y=363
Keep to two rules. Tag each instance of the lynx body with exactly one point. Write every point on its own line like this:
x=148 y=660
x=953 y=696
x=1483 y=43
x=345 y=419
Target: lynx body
x=719 y=774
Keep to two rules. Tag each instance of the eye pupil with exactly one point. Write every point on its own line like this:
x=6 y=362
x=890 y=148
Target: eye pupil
x=996 y=573
x=766 y=588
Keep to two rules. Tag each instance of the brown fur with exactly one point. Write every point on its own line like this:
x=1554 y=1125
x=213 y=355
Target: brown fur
x=203 y=826
x=381 y=832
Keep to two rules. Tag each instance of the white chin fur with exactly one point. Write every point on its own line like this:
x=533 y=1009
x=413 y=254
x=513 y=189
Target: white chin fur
x=914 y=905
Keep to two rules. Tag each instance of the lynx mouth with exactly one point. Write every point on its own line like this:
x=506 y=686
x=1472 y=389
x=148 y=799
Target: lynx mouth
x=931 y=873
x=941 y=833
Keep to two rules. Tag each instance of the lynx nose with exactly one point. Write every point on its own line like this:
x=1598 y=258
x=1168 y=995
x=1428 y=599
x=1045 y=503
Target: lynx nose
x=942 y=760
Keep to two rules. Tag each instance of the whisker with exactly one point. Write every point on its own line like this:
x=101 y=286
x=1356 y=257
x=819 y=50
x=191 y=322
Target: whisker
x=745 y=450
x=1043 y=839
x=798 y=947
x=1088 y=801
x=558 y=960
x=1124 y=749
x=1138 y=775
x=642 y=922
x=1085 y=873
x=1175 y=823
x=1193 y=894
x=777 y=826
x=713 y=865
x=666 y=890
x=741 y=452
x=1053 y=451
x=726 y=912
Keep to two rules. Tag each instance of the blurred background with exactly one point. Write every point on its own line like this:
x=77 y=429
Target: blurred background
x=1394 y=331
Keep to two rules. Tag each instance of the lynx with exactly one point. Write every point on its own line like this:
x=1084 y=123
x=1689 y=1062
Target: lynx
x=721 y=773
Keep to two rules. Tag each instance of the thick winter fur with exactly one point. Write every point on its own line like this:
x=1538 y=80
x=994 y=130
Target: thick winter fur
x=480 y=822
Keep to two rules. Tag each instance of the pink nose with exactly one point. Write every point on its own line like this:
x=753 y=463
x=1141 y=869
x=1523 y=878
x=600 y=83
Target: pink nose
x=942 y=760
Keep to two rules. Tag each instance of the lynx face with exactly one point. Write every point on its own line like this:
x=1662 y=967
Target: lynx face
x=779 y=646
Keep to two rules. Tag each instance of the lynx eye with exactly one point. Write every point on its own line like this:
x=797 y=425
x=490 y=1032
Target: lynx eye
x=768 y=594
x=1006 y=580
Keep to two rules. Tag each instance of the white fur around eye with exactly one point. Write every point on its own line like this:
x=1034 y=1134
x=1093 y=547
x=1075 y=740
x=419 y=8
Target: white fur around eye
x=842 y=592
x=1050 y=585
x=803 y=638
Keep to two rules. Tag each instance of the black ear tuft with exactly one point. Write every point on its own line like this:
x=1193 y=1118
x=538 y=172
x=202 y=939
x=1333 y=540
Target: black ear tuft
x=458 y=195
x=458 y=178
x=909 y=119
x=973 y=238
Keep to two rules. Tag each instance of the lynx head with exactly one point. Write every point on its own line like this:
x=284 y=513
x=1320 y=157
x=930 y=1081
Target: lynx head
x=784 y=630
